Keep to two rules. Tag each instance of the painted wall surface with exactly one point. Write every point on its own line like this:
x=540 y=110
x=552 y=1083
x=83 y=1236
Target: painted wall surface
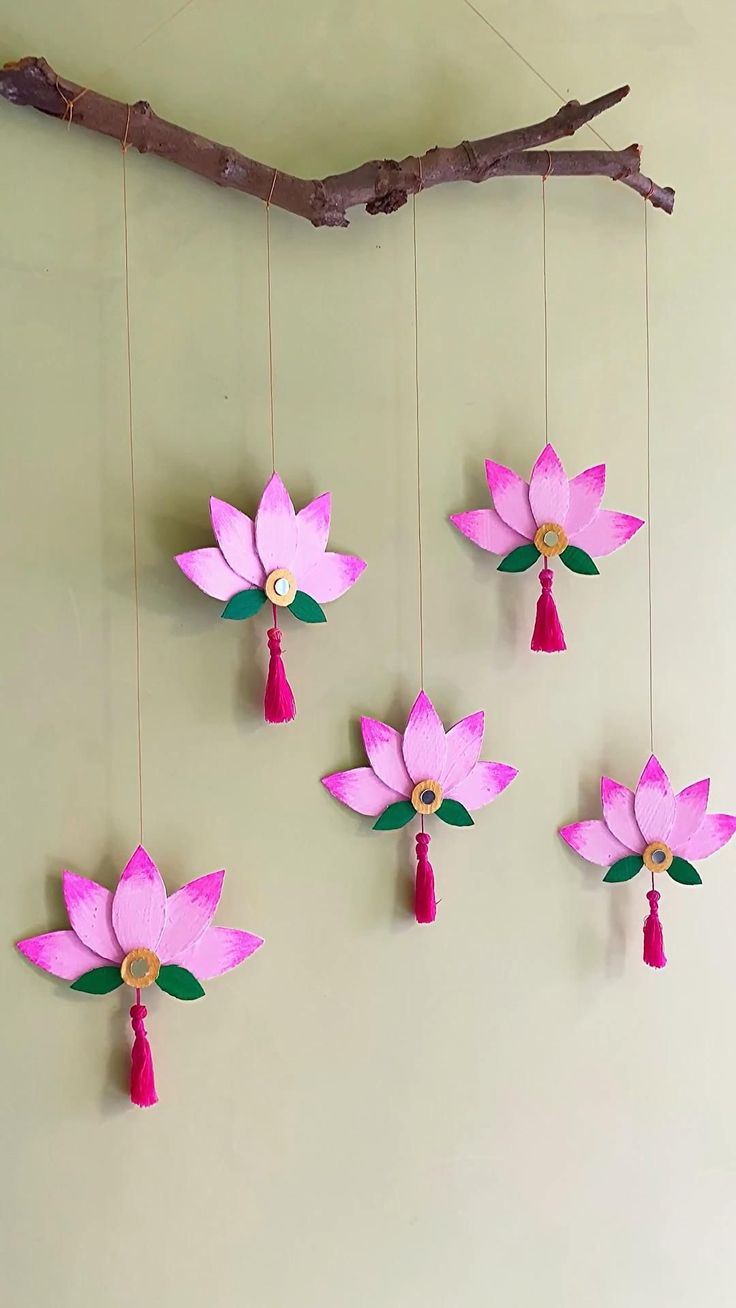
x=507 y=1107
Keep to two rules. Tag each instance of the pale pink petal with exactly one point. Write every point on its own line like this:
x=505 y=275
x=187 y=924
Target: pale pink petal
x=235 y=536
x=217 y=950
x=586 y=493
x=549 y=489
x=90 y=912
x=607 y=532
x=464 y=742
x=594 y=842
x=618 y=811
x=714 y=831
x=331 y=576
x=485 y=528
x=61 y=953
x=188 y=912
x=139 y=904
x=276 y=527
x=383 y=747
x=362 y=790
x=424 y=746
x=484 y=782
x=690 y=806
x=654 y=803
x=312 y=530
x=208 y=570
x=510 y=494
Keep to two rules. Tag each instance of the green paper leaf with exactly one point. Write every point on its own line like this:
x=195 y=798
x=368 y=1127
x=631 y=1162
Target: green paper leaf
x=306 y=609
x=395 y=816
x=625 y=869
x=100 y=981
x=684 y=872
x=523 y=557
x=244 y=604
x=578 y=561
x=180 y=983
x=454 y=814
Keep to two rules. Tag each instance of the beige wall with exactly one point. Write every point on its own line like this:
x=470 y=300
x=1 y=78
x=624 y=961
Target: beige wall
x=508 y=1108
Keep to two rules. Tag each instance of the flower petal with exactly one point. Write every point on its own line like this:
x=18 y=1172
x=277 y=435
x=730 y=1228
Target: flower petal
x=607 y=532
x=362 y=791
x=331 y=576
x=510 y=495
x=424 y=746
x=61 y=953
x=586 y=493
x=594 y=842
x=189 y=912
x=218 y=950
x=90 y=912
x=208 y=570
x=549 y=489
x=312 y=530
x=464 y=742
x=383 y=747
x=235 y=536
x=654 y=803
x=485 y=528
x=139 y=904
x=618 y=812
x=276 y=530
x=690 y=806
x=714 y=831
x=483 y=783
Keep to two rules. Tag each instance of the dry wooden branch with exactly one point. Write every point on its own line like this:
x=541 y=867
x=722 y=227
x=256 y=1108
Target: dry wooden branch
x=382 y=185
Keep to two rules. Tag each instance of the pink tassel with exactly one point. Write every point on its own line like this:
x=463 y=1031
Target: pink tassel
x=654 y=954
x=425 y=904
x=278 y=702
x=142 y=1084
x=548 y=636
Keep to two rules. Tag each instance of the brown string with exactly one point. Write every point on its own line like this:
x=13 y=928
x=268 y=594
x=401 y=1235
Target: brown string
x=544 y=301
x=69 y=104
x=270 y=320
x=418 y=436
x=647 y=355
x=134 y=516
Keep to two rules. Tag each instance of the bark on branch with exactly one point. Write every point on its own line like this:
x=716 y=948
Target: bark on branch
x=381 y=185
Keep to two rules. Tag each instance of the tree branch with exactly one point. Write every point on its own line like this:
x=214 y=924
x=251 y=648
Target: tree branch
x=382 y=185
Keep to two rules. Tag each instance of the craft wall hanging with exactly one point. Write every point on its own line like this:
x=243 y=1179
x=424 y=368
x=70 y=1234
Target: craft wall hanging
x=281 y=559
x=140 y=937
x=655 y=829
x=427 y=770
x=547 y=517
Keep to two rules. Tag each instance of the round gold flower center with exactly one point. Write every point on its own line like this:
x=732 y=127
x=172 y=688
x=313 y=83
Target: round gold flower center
x=140 y=968
x=280 y=587
x=550 y=539
x=426 y=796
x=658 y=856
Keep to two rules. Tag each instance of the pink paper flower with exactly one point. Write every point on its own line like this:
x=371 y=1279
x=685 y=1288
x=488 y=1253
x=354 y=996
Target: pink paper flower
x=427 y=770
x=139 y=935
x=547 y=515
x=282 y=556
x=651 y=827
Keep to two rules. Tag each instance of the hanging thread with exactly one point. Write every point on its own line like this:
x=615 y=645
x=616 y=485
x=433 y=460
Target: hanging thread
x=278 y=699
x=420 y=558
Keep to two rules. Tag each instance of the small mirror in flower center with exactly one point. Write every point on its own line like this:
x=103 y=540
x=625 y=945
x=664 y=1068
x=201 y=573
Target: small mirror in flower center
x=281 y=586
x=551 y=538
x=658 y=856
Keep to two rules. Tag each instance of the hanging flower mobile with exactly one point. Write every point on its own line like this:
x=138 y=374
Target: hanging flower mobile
x=547 y=517
x=140 y=937
x=280 y=558
x=655 y=829
x=426 y=771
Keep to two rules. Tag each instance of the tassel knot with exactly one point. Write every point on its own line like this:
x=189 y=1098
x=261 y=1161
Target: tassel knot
x=425 y=904
x=142 y=1084
x=548 y=636
x=278 y=701
x=654 y=955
